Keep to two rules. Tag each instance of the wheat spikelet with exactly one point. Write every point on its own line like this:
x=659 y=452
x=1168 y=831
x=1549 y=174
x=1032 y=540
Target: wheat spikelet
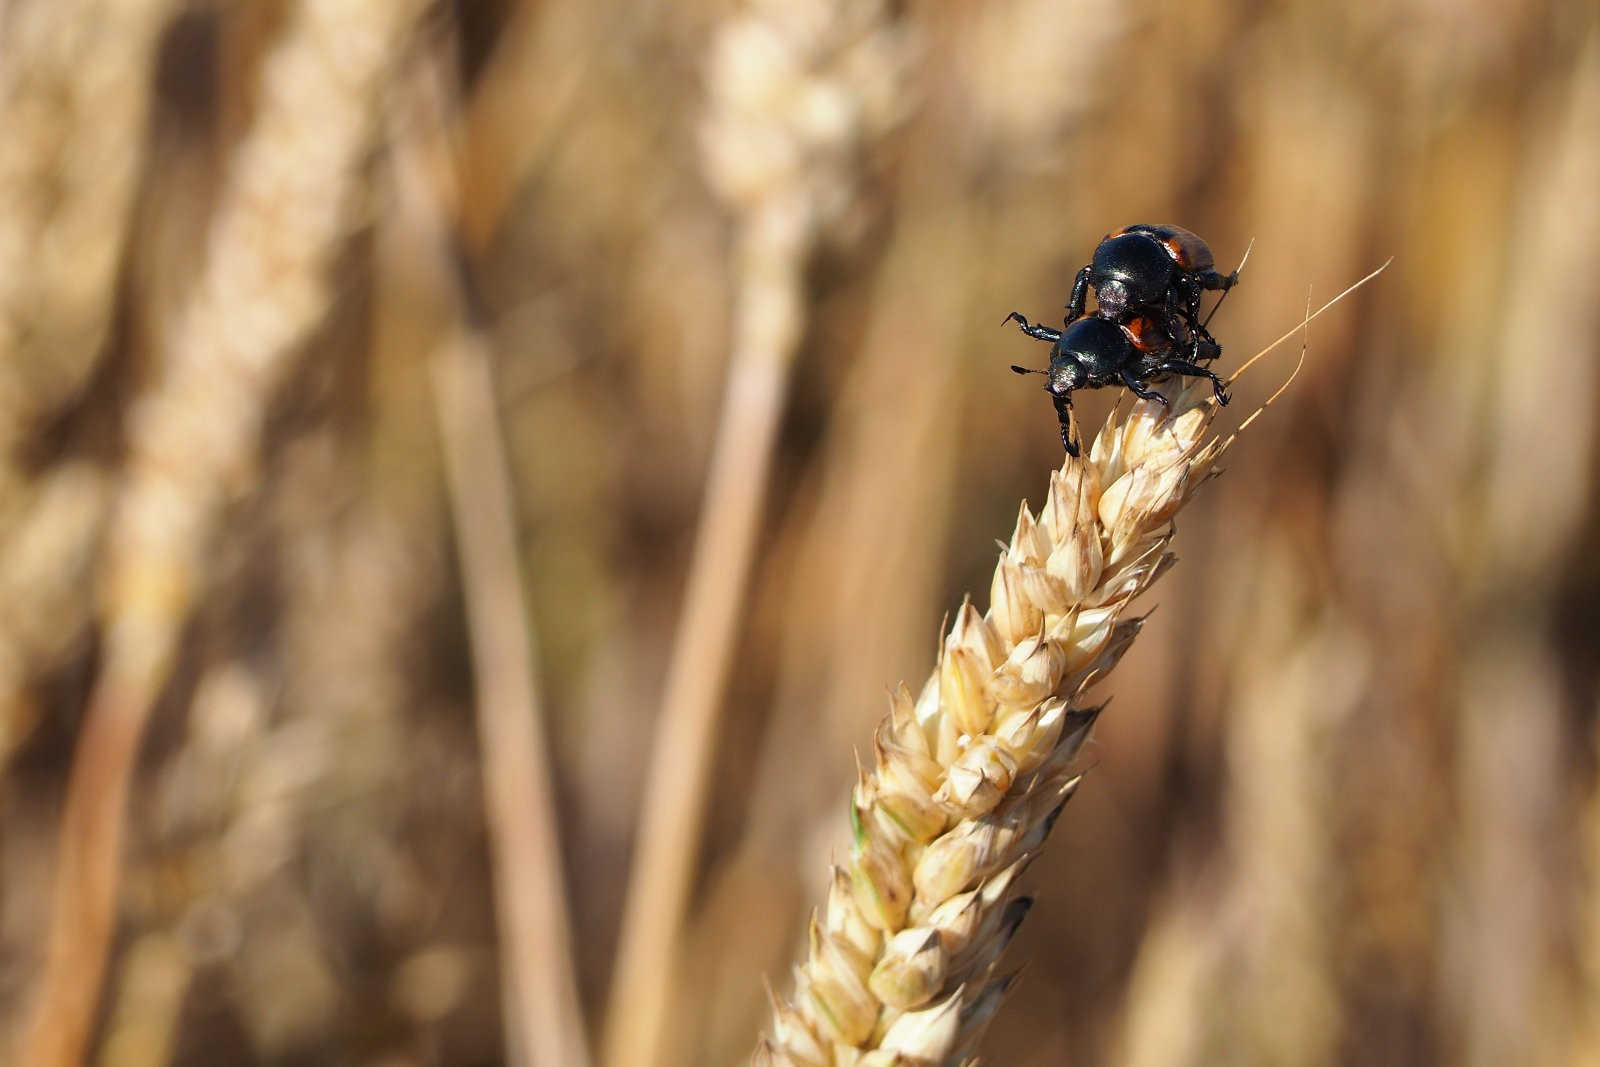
x=968 y=775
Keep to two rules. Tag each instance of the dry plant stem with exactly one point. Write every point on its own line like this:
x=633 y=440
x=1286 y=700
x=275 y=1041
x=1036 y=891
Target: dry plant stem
x=675 y=793
x=967 y=777
x=543 y=1017
x=794 y=94
x=191 y=444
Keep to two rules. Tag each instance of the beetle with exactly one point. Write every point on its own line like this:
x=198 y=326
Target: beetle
x=1150 y=270
x=1093 y=352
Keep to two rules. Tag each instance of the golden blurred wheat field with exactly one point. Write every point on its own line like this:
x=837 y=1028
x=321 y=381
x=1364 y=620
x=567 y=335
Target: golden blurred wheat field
x=473 y=471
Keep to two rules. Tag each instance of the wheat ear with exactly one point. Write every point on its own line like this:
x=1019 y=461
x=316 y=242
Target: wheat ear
x=967 y=777
x=192 y=439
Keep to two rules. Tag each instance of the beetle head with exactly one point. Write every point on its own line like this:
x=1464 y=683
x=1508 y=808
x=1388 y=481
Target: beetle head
x=1130 y=270
x=1112 y=296
x=1066 y=374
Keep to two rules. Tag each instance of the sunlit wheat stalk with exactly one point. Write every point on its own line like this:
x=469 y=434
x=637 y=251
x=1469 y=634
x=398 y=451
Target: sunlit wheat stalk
x=542 y=1015
x=967 y=776
x=796 y=94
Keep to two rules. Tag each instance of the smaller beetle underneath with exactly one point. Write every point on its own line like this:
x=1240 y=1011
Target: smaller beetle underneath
x=1148 y=282
x=1093 y=352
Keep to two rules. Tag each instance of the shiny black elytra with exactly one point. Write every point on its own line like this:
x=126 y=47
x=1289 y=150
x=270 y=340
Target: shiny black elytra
x=1094 y=352
x=1159 y=271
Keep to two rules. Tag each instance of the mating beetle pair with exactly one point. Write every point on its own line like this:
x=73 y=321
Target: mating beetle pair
x=1148 y=282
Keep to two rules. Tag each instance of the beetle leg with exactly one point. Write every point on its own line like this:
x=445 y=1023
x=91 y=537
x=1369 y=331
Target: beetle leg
x=1183 y=308
x=1064 y=416
x=1179 y=366
x=1225 y=285
x=1141 y=390
x=1205 y=347
x=1185 y=329
x=1043 y=333
x=1080 y=291
x=1180 y=325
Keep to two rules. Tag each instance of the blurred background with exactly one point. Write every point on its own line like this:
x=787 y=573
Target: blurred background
x=328 y=328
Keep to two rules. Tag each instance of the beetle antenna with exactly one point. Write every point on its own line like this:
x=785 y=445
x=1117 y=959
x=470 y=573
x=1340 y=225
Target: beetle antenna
x=1236 y=272
x=1025 y=370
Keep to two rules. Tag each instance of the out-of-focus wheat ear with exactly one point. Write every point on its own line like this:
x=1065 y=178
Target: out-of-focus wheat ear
x=75 y=92
x=968 y=776
x=786 y=169
x=288 y=204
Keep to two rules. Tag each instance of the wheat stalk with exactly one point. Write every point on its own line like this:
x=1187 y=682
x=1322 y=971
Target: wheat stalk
x=967 y=776
x=797 y=92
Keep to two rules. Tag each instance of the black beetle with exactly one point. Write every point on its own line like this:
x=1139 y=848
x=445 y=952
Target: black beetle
x=1093 y=352
x=1150 y=270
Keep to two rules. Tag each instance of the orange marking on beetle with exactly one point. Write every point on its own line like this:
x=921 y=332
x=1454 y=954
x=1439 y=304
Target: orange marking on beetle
x=1179 y=250
x=1145 y=334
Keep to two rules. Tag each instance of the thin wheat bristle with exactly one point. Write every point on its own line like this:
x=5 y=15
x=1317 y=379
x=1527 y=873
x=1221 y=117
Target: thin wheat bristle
x=968 y=775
